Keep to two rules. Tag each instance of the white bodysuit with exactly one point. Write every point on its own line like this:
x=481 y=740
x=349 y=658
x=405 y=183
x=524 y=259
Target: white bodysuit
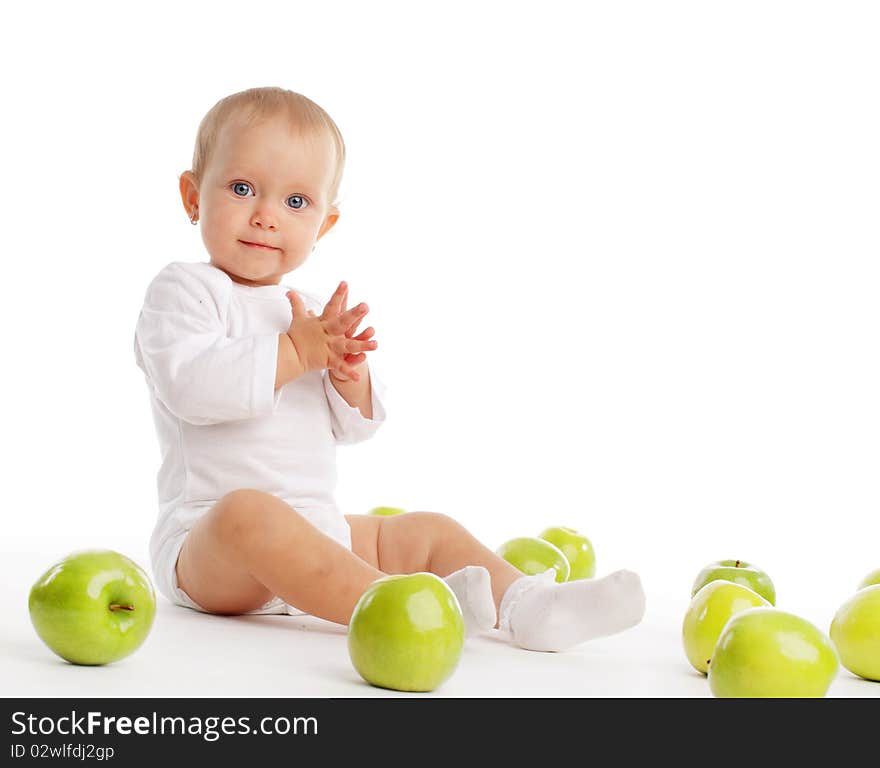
x=208 y=348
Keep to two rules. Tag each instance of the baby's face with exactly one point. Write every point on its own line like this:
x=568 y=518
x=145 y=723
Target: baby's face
x=265 y=185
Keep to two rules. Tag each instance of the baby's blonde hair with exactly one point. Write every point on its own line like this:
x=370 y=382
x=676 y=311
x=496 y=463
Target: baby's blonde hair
x=258 y=103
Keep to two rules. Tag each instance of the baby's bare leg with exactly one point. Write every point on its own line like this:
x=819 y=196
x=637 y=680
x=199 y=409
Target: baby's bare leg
x=427 y=541
x=538 y=613
x=251 y=545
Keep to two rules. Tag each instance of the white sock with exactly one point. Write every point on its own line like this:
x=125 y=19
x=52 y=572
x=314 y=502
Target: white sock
x=541 y=615
x=473 y=588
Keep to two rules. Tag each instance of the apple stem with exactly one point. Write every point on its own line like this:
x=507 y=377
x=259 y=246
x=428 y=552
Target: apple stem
x=737 y=564
x=118 y=607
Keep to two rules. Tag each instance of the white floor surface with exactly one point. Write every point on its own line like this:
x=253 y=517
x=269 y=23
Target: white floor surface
x=190 y=654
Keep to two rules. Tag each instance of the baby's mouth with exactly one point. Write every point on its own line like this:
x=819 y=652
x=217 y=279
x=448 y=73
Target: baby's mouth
x=257 y=245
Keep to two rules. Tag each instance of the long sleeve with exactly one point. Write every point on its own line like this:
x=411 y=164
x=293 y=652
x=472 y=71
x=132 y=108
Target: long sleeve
x=196 y=370
x=348 y=423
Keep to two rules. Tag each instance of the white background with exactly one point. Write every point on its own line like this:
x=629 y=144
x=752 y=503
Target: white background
x=622 y=259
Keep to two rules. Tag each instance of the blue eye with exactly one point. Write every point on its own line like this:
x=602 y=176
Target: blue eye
x=241 y=188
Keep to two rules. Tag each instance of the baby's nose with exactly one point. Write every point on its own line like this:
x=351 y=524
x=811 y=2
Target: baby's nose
x=264 y=219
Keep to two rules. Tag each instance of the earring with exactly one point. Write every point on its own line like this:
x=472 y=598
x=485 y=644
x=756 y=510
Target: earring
x=193 y=217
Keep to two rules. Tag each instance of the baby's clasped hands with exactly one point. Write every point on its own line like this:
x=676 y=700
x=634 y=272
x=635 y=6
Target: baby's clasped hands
x=327 y=340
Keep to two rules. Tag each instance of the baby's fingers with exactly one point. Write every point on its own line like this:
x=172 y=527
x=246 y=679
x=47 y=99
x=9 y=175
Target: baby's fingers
x=334 y=306
x=355 y=359
x=352 y=346
x=296 y=304
x=350 y=319
x=347 y=370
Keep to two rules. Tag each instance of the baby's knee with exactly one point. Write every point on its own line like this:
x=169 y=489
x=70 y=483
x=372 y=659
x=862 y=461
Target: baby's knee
x=247 y=514
x=433 y=523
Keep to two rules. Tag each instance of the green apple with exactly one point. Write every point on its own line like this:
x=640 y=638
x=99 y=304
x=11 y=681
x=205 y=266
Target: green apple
x=768 y=653
x=94 y=606
x=532 y=555
x=872 y=578
x=855 y=632
x=386 y=511
x=710 y=609
x=739 y=572
x=406 y=632
x=577 y=550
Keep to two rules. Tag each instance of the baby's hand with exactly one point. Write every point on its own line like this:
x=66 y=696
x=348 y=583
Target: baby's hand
x=328 y=341
x=356 y=361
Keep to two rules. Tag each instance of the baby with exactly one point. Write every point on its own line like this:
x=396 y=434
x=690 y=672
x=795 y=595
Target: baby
x=252 y=386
